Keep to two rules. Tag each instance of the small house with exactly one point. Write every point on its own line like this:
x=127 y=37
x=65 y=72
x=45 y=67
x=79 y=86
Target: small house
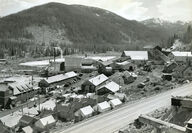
x=27 y=129
x=86 y=112
x=169 y=67
x=115 y=102
x=26 y=120
x=103 y=107
x=167 y=76
x=110 y=87
x=91 y=84
x=45 y=123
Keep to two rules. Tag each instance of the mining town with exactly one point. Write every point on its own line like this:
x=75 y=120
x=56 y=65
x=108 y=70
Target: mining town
x=75 y=68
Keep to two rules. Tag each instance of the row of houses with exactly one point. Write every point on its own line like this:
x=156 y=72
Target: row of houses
x=102 y=107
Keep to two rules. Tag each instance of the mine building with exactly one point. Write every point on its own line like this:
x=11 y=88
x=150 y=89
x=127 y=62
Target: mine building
x=58 y=79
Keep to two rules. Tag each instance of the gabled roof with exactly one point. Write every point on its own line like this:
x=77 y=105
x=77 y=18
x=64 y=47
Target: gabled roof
x=137 y=55
x=20 y=87
x=47 y=120
x=112 y=86
x=27 y=129
x=183 y=54
x=104 y=105
x=116 y=102
x=30 y=111
x=60 y=77
x=98 y=79
x=87 y=110
x=26 y=119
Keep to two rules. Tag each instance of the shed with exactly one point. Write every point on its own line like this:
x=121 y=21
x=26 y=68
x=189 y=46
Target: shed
x=26 y=120
x=86 y=111
x=103 y=107
x=115 y=102
x=28 y=129
x=46 y=122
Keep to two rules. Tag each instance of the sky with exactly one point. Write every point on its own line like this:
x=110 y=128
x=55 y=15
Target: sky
x=171 y=10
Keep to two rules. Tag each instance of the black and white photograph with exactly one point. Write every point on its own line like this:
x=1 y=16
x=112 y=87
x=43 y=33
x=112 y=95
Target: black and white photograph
x=95 y=66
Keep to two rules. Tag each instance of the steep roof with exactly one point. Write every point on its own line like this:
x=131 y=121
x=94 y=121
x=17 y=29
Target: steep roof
x=112 y=86
x=98 y=79
x=47 y=120
x=27 y=129
x=115 y=102
x=137 y=55
x=20 y=87
x=60 y=77
x=87 y=110
x=26 y=119
x=104 y=105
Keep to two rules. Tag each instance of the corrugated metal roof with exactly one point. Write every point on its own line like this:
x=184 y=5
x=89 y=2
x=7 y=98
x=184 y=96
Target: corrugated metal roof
x=98 y=79
x=137 y=55
x=20 y=87
x=60 y=77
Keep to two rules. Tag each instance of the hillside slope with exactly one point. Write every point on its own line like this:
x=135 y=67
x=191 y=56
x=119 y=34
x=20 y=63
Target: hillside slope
x=80 y=26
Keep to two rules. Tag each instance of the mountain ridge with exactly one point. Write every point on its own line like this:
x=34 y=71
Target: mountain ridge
x=78 y=25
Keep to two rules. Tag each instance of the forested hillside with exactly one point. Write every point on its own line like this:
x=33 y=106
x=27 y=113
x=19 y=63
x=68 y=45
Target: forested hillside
x=73 y=28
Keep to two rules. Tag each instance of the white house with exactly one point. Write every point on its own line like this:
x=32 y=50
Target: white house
x=103 y=107
x=46 y=122
x=115 y=102
x=86 y=111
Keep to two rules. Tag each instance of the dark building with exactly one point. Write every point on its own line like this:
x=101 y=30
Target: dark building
x=5 y=94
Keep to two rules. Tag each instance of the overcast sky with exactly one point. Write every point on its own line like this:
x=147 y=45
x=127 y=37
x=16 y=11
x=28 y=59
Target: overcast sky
x=171 y=10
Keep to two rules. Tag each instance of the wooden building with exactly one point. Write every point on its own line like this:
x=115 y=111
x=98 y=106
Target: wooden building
x=58 y=79
x=93 y=83
x=138 y=57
